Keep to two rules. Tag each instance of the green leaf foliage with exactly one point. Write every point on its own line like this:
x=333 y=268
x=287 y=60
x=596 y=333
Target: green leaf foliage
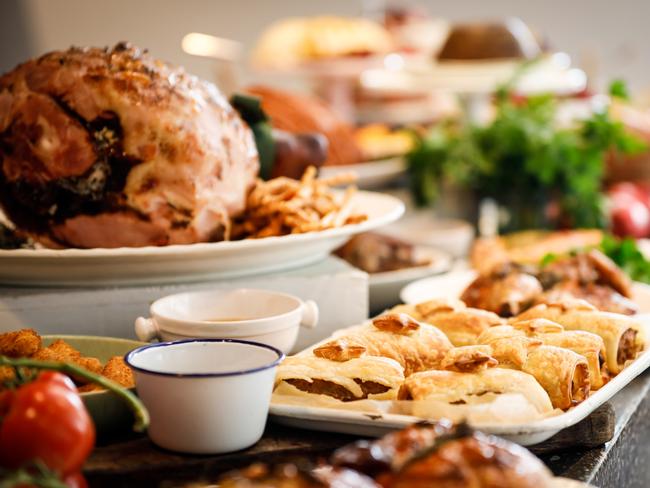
x=523 y=153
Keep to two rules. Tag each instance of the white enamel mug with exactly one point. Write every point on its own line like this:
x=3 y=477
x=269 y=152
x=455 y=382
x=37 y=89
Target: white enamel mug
x=264 y=316
x=205 y=396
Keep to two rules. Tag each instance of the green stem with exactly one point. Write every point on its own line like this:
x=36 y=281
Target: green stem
x=37 y=475
x=139 y=410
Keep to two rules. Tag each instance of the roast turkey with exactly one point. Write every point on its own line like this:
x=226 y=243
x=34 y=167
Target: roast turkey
x=111 y=148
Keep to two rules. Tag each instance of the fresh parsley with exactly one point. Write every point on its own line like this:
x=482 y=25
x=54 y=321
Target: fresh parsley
x=626 y=254
x=524 y=159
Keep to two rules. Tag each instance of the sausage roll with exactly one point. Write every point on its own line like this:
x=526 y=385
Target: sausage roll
x=563 y=373
x=461 y=324
x=457 y=388
x=369 y=377
x=416 y=346
x=584 y=343
x=623 y=336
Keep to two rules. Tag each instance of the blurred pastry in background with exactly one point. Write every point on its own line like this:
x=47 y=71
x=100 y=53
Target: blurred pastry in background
x=378 y=141
x=414 y=30
x=529 y=247
x=508 y=39
x=298 y=40
x=298 y=113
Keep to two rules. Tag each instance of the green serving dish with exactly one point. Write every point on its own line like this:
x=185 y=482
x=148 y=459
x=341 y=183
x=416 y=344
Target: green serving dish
x=108 y=411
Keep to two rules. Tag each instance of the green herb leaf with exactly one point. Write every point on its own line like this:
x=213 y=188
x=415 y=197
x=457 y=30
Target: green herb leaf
x=626 y=254
x=618 y=89
x=524 y=158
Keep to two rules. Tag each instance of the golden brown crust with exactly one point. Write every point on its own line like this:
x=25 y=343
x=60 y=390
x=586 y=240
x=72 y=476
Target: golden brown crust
x=355 y=379
x=397 y=323
x=117 y=370
x=60 y=350
x=461 y=324
x=474 y=461
x=415 y=349
x=563 y=373
x=468 y=359
x=610 y=273
x=20 y=343
x=579 y=315
x=339 y=350
x=505 y=291
x=454 y=387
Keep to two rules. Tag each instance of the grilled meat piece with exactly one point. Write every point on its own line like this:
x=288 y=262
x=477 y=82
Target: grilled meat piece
x=292 y=476
x=600 y=296
x=110 y=148
x=585 y=268
x=507 y=290
x=440 y=455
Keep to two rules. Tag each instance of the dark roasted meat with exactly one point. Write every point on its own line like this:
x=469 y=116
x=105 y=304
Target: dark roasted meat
x=443 y=456
x=507 y=290
x=292 y=476
x=376 y=253
x=600 y=296
x=110 y=148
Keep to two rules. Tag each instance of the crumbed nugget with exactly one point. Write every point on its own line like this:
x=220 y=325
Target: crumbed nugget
x=118 y=371
x=7 y=373
x=61 y=351
x=91 y=364
x=20 y=343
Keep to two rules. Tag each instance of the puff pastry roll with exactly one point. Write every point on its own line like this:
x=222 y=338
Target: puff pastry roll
x=622 y=335
x=461 y=324
x=414 y=345
x=369 y=377
x=587 y=344
x=456 y=388
x=563 y=373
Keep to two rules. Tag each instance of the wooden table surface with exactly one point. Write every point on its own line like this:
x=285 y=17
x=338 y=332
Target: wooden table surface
x=623 y=461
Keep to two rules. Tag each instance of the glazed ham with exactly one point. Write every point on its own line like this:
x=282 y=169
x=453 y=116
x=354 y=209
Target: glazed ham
x=112 y=148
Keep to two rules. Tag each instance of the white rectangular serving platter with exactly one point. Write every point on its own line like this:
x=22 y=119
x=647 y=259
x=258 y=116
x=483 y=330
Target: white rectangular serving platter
x=526 y=434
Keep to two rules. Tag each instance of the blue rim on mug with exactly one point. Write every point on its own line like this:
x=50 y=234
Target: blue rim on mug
x=128 y=357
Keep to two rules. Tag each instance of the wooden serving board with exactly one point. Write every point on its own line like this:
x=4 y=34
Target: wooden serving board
x=136 y=461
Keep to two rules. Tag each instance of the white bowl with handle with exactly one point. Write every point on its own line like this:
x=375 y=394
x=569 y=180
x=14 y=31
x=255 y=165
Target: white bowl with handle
x=205 y=396
x=264 y=316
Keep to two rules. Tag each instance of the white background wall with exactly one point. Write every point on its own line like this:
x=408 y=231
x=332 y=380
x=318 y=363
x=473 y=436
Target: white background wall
x=609 y=38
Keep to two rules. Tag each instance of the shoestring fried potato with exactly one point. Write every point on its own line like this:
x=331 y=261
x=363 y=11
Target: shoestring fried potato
x=283 y=206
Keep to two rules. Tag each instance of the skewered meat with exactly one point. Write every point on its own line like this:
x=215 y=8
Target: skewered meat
x=110 y=148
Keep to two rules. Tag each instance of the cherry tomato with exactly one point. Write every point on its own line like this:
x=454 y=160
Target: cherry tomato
x=75 y=480
x=47 y=420
x=630 y=210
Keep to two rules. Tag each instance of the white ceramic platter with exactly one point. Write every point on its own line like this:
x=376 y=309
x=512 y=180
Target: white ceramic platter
x=370 y=174
x=526 y=434
x=384 y=288
x=451 y=285
x=551 y=74
x=184 y=263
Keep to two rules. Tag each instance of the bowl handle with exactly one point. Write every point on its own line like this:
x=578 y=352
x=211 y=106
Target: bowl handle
x=309 y=314
x=146 y=329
